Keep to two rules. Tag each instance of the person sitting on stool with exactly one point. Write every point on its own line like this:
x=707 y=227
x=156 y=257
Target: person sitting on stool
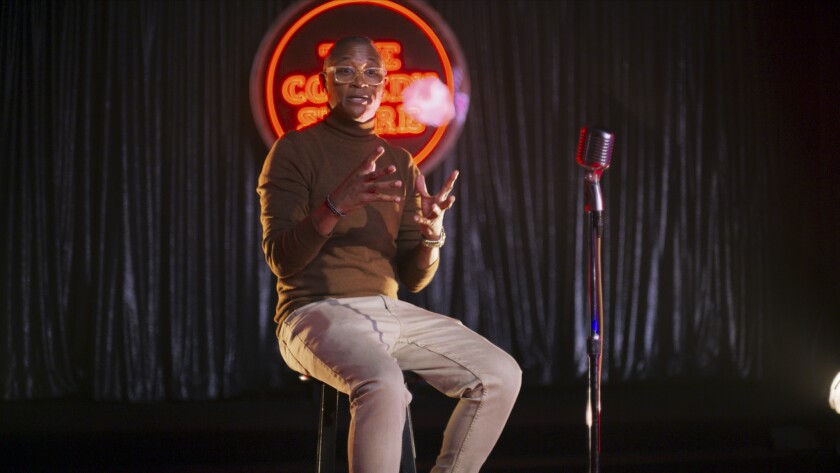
x=346 y=216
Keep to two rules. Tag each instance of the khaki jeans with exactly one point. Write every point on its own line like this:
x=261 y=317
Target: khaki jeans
x=361 y=345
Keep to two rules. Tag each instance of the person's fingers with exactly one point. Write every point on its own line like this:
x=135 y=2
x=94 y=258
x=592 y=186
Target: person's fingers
x=427 y=224
x=375 y=196
x=447 y=188
x=390 y=184
x=420 y=183
x=369 y=164
x=446 y=204
x=376 y=154
x=434 y=212
x=374 y=187
x=376 y=175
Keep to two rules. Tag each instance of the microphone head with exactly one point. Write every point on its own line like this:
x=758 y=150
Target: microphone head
x=595 y=148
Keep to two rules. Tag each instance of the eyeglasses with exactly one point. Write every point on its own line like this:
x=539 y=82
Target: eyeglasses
x=347 y=74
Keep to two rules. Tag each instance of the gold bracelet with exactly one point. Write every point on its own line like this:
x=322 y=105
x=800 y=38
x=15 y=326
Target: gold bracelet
x=435 y=243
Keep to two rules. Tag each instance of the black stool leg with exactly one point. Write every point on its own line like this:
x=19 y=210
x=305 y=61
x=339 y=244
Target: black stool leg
x=327 y=430
x=409 y=454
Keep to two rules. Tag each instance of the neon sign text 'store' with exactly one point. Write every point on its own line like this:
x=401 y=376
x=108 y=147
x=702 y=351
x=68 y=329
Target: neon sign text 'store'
x=299 y=90
x=305 y=92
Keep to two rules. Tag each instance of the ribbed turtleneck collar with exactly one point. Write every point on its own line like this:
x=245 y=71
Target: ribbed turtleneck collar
x=349 y=127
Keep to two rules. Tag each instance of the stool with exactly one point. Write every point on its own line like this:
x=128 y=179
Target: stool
x=327 y=428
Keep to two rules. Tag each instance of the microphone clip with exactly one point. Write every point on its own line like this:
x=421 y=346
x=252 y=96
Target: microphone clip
x=592 y=199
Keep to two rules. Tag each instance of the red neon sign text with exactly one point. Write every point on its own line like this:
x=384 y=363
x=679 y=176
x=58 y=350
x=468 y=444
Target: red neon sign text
x=285 y=88
x=304 y=92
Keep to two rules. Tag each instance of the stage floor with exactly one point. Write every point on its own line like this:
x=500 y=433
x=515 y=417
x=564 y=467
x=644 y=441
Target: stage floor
x=646 y=427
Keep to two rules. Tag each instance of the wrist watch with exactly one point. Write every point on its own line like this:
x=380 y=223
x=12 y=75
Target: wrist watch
x=435 y=243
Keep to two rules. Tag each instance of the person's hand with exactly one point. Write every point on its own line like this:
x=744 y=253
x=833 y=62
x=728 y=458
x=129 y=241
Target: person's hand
x=434 y=206
x=365 y=185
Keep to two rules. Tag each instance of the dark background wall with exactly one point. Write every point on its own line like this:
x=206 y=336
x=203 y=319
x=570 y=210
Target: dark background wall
x=131 y=257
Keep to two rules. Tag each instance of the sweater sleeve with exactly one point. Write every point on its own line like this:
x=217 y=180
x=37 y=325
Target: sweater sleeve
x=290 y=240
x=408 y=240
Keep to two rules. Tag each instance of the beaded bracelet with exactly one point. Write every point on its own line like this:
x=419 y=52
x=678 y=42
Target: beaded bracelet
x=328 y=202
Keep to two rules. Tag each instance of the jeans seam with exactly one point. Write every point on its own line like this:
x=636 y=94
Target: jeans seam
x=484 y=392
x=398 y=319
x=319 y=361
x=469 y=430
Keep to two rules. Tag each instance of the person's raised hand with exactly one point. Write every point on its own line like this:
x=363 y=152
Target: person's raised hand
x=434 y=206
x=366 y=185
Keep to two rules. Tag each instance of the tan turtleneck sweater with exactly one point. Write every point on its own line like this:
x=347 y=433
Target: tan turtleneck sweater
x=369 y=250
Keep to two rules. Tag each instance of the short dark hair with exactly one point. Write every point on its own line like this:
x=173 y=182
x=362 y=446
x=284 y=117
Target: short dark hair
x=345 y=41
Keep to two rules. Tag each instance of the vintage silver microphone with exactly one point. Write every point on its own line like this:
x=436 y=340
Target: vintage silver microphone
x=595 y=148
x=594 y=154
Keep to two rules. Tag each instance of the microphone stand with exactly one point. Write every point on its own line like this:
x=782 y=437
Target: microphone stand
x=594 y=206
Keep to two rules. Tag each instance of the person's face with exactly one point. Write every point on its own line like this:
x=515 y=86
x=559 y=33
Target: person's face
x=356 y=100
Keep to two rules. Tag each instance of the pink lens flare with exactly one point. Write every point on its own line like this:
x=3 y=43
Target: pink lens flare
x=429 y=101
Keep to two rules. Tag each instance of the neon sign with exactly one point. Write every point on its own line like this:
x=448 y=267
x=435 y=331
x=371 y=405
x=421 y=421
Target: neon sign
x=306 y=93
x=414 y=43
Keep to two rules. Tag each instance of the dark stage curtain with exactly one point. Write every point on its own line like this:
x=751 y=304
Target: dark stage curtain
x=132 y=267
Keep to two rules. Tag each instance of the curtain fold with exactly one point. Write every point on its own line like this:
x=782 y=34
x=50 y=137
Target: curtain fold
x=131 y=244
